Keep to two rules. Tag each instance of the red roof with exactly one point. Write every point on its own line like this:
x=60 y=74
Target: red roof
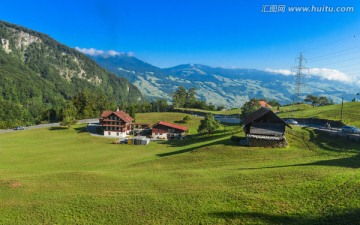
x=121 y=114
x=175 y=126
x=106 y=114
x=124 y=116
x=264 y=104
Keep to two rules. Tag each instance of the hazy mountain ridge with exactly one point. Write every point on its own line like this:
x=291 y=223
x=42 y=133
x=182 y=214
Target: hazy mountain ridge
x=220 y=86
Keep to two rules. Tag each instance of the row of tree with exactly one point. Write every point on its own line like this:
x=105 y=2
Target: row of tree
x=183 y=98
x=318 y=101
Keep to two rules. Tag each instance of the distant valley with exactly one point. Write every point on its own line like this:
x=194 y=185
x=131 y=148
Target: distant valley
x=219 y=86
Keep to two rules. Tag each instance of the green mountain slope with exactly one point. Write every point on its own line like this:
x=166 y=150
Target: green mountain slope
x=38 y=72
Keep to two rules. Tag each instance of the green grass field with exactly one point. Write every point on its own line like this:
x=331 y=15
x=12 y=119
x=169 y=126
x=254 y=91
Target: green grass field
x=66 y=176
x=351 y=112
x=152 y=118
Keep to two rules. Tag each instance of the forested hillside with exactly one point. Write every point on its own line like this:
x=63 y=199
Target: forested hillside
x=39 y=74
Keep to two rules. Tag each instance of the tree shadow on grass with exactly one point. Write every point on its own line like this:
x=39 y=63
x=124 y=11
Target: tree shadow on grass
x=180 y=122
x=200 y=140
x=58 y=128
x=349 y=162
x=332 y=143
x=350 y=217
x=80 y=129
x=328 y=144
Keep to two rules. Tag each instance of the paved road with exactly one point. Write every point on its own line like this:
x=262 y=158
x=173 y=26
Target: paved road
x=48 y=125
x=331 y=130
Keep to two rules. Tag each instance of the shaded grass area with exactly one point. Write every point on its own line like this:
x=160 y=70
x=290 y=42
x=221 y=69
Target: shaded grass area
x=66 y=176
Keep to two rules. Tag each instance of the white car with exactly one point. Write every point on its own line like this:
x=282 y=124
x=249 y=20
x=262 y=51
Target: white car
x=292 y=122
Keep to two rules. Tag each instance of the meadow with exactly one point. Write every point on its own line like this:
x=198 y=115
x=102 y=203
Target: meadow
x=351 y=112
x=66 y=176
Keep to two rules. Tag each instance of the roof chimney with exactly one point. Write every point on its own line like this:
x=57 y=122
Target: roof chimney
x=117 y=110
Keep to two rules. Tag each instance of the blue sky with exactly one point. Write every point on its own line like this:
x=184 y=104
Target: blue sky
x=226 y=33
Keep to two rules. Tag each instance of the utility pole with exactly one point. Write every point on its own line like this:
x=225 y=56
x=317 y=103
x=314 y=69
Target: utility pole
x=342 y=108
x=299 y=77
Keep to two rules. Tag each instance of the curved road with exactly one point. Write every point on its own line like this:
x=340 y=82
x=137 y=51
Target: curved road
x=48 y=125
x=331 y=130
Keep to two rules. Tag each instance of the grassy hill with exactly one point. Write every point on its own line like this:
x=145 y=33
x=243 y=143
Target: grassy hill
x=351 y=112
x=66 y=176
x=38 y=74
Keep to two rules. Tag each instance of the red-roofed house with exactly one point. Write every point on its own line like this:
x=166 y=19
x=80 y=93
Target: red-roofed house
x=165 y=130
x=116 y=124
x=265 y=104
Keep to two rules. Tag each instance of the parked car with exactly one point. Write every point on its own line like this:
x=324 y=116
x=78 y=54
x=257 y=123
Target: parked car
x=292 y=122
x=19 y=128
x=350 y=130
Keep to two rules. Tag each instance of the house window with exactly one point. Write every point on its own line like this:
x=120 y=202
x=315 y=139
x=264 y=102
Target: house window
x=109 y=133
x=117 y=133
x=171 y=130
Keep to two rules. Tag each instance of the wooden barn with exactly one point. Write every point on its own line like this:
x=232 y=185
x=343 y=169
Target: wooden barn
x=263 y=128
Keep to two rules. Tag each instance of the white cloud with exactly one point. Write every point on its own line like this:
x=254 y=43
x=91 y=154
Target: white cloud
x=282 y=72
x=96 y=52
x=330 y=74
x=324 y=73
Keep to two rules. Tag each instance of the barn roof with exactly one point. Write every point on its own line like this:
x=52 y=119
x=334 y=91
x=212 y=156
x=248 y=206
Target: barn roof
x=260 y=113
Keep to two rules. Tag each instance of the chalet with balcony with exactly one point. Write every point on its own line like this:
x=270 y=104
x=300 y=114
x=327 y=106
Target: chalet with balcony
x=116 y=124
x=263 y=128
x=165 y=130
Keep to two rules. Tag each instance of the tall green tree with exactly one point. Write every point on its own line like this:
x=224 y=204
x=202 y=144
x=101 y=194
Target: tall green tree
x=190 y=98
x=313 y=100
x=179 y=97
x=208 y=125
x=318 y=101
x=69 y=115
x=132 y=111
x=250 y=107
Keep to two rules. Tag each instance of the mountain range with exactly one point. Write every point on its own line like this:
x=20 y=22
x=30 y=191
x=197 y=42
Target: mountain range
x=220 y=86
x=37 y=72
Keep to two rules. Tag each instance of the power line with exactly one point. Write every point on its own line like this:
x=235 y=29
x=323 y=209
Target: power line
x=340 y=62
x=332 y=42
x=351 y=69
x=334 y=56
x=340 y=51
